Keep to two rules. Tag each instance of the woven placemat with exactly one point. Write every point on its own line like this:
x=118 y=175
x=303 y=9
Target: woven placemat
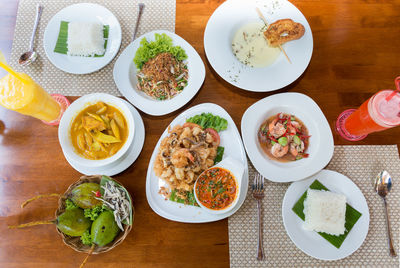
x=361 y=164
x=157 y=15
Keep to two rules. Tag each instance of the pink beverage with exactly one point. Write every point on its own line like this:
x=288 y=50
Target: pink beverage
x=376 y=114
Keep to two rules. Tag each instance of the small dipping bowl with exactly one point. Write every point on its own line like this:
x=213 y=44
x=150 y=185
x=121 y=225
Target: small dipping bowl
x=64 y=130
x=236 y=168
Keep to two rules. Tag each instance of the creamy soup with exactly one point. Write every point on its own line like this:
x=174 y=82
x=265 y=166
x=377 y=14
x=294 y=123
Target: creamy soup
x=251 y=48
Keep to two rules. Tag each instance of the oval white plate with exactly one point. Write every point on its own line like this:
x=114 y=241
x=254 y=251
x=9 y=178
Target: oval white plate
x=320 y=149
x=230 y=140
x=126 y=160
x=125 y=77
x=84 y=12
x=311 y=242
x=222 y=26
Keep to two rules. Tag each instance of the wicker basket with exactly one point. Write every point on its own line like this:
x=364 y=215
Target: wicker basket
x=75 y=242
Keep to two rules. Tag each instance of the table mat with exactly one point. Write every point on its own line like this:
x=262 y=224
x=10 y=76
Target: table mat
x=157 y=15
x=361 y=164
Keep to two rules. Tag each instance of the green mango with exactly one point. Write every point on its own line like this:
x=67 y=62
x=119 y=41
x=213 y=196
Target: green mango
x=104 y=229
x=73 y=222
x=83 y=195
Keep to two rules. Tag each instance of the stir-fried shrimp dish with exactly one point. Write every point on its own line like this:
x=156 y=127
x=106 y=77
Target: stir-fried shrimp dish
x=183 y=155
x=284 y=137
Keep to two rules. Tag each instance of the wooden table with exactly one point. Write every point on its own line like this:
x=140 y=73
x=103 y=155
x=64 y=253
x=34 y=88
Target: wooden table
x=356 y=53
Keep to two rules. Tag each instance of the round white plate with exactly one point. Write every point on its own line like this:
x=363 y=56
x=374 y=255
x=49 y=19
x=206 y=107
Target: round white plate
x=221 y=28
x=125 y=77
x=84 y=12
x=126 y=160
x=230 y=139
x=311 y=242
x=320 y=148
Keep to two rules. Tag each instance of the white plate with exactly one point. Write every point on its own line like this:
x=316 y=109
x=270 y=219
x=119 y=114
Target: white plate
x=125 y=77
x=84 y=12
x=311 y=242
x=222 y=26
x=230 y=139
x=320 y=148
x=126 y=160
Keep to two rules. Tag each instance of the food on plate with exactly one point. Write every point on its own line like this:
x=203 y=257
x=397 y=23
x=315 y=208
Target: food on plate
x=185 y=153
x=99 y=131
x=282 y=31
x=162 y=70
x=216 y=188
x=250 y=47
x=351 y=214
x=85 y=39
x=284 y=137
x=325 y=212
x=97 y=225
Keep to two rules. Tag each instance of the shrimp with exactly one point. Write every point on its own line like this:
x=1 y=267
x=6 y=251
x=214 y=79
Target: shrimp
x=278 y=150
x=276 y=128
x=295 y=149
x=180 y=158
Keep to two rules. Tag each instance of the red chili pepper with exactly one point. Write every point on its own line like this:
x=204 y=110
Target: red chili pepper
x=98 y=194
x=272 y=138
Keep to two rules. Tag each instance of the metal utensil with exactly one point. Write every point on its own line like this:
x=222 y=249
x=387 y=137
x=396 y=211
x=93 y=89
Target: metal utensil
x=140 y=11
x=383 y=184
x=258 y=194
x=30 y=56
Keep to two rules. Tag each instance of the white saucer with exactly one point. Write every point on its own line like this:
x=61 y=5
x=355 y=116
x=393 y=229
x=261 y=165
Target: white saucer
x=82 y=12
x=311 y=242
x=127 y=159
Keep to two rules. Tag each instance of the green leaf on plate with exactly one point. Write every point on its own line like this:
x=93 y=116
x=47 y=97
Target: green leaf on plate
x=191 y=200
x=352 y=216
x=61 y=45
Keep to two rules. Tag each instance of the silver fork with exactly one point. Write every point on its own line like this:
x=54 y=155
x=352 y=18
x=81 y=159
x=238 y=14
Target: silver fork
x=258 y=194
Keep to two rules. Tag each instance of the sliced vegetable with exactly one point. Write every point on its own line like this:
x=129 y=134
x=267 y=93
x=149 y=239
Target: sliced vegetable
x=115 y=129
x=101 y=137
x=208 y=120
x=283 y=141
x=296 y=140
x=220 y=153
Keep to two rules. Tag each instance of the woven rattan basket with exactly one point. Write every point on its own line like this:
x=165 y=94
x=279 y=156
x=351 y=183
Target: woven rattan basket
x=75 y=242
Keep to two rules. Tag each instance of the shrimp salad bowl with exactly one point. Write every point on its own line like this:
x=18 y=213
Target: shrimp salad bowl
x=287 y=137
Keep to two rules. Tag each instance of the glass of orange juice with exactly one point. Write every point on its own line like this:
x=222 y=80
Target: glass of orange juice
x=380 y=112
x=18 y=92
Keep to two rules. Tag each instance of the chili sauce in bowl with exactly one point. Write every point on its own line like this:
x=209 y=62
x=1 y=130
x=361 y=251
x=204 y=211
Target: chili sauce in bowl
x=217 y=189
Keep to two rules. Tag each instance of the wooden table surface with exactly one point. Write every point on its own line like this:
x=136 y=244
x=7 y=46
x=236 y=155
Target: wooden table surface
x=356 y=53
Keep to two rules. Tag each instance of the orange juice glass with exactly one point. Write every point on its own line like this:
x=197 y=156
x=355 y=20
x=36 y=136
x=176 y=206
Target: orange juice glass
x=29 y=98
x=380 y=112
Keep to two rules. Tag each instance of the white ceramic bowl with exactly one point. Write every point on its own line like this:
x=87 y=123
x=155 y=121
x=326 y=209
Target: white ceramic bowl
x=64 y=130
x=237 y=169
x=321 y=145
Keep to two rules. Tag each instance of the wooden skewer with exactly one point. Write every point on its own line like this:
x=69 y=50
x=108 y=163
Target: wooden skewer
x=266 y=23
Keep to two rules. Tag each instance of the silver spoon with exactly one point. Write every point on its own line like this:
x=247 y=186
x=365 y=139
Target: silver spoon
x=141 y=7
x=30 y=56
x=383 y=184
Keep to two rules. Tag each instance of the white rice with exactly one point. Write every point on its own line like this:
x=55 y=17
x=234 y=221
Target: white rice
x=325 y=212
x=85 y=39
